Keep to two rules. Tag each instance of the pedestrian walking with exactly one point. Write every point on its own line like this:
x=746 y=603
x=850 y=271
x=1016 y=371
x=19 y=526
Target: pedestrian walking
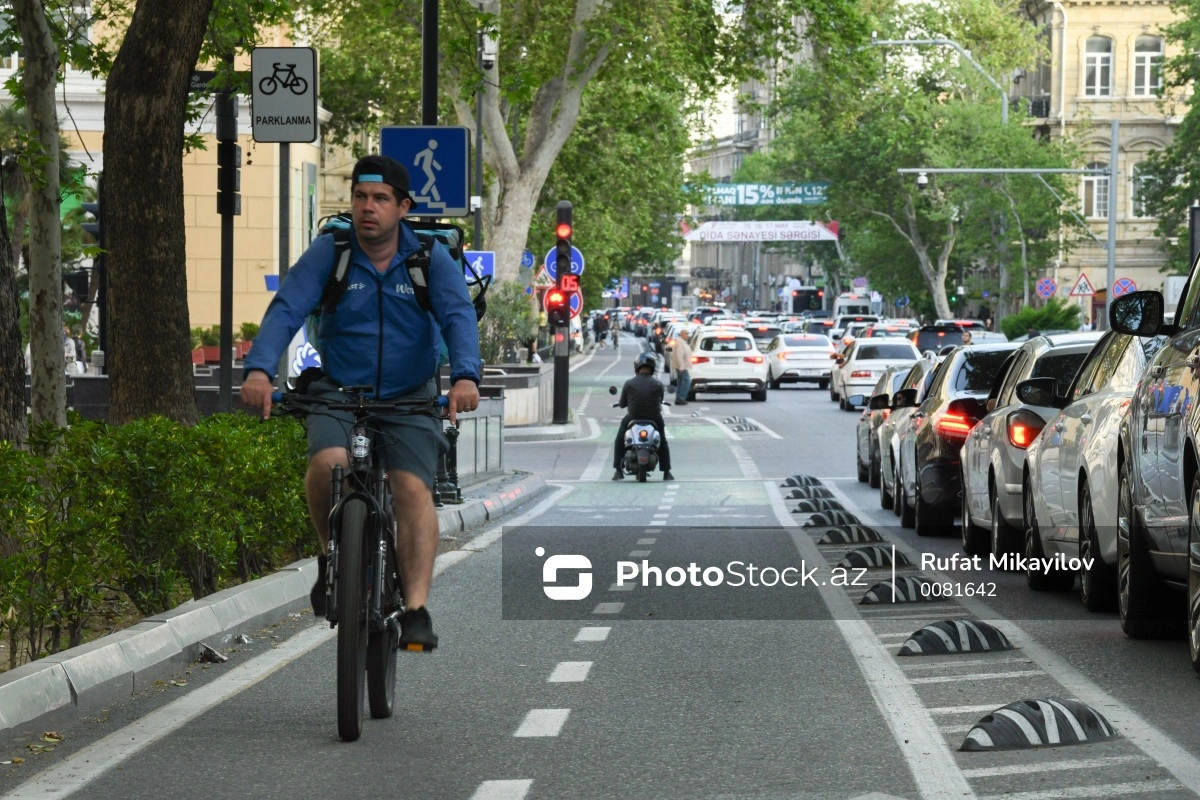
x=681 y=364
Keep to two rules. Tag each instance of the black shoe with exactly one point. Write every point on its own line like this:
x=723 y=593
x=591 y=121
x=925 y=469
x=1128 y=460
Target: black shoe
x=319 y=594
x=667 y=476
x=681 y=402
x=416 y=631
x=618 y=475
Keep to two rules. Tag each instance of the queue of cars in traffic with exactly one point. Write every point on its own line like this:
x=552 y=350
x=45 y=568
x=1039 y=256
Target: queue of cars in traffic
x=1071 y=457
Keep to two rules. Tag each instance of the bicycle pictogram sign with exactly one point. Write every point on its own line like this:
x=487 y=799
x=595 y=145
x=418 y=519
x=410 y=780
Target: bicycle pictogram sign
x=283 y=78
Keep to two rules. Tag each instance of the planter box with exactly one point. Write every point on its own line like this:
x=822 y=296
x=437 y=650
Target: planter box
x=528 y=391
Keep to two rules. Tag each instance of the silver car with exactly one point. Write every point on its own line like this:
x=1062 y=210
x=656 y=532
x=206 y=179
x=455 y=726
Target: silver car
x=993 y=458
x=799 y=358
x=917 y=379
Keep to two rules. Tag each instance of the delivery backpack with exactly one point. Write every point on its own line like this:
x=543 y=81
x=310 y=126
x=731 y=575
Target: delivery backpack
x=430 y=235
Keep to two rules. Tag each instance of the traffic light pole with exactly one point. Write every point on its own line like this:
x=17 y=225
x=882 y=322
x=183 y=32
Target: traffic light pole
x=227 y=190
x=562 y=333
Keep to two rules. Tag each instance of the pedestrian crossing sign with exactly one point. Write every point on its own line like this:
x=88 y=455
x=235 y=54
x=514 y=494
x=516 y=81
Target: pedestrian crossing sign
x=1083 y=287
x=437 y=161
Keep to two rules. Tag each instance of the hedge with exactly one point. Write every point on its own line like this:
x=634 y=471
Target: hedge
x=152 y=510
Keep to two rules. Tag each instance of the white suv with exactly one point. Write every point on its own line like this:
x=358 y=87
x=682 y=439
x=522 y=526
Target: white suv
x=727 y=361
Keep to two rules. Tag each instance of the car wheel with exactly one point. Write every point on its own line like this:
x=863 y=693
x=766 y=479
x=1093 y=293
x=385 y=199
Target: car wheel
x=873 y=468
x=885 y=491
x=975 y=538
x=823 y=385
x=1193 y=591
x=1036 y=579
x=833 y=395
x=928 y=520
x=908 y=513
x=1004 y=538
x=864 y=471
x=1097 y=589
x=775 y=383
x=1138 y=594
x=897 y=495
x=760 y=396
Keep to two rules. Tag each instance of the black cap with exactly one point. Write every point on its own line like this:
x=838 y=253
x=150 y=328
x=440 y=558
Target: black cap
x=382 y=169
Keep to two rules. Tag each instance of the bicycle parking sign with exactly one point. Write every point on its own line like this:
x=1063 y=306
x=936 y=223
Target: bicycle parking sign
x=284 y=94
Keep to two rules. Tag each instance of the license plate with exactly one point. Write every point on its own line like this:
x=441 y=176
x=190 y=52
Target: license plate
x=810 y=372
x=725 y=360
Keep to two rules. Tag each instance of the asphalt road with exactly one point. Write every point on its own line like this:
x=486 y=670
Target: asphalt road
x=646 y=691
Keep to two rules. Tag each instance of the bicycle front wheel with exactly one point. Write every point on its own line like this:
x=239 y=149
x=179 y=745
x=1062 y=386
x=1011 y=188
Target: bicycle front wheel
x=352 y=620
x=381 y=650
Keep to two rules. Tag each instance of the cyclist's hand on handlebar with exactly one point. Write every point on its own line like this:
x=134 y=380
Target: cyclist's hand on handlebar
x=256 y=392
x=463 y=396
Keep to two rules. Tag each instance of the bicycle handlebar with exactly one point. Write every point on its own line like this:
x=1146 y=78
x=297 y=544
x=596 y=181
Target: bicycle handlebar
x=378 y=406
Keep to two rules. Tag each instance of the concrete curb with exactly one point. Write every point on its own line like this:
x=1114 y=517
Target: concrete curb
x=545 y=433
x=86 y=678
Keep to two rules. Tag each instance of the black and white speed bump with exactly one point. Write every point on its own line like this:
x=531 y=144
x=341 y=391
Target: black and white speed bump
x=874 y=556
x=955 y=636
x=800 y=480
x=1039 y=723
x=826 y=519
x=810 y=493
x=851 y=534
x=905 y=589
x=819 y=504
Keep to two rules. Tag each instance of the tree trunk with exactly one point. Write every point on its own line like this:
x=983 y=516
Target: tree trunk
x=13 y=423
x=150 y=365
x=49 y=375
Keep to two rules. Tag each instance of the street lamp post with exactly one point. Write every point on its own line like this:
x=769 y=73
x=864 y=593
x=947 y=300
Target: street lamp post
x=962 y=51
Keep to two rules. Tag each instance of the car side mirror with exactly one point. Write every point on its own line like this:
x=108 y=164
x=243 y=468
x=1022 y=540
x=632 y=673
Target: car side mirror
x=991 y=404
x=612 y=390
x=856 y=400
x=905 y=398
x=834 y=356
x=879 y=401
x=1137 y=314
x=1039 y=392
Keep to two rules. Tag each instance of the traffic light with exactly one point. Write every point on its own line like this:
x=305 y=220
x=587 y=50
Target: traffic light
x=558 y=307
x=562 y=245
x=77 y=282
x=229 y=178
x=94 y=229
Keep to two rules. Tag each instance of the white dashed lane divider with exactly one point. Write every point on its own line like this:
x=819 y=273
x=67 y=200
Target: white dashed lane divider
x=570 y=672
x=543 y=722
x=593 y=634
x=502 y=790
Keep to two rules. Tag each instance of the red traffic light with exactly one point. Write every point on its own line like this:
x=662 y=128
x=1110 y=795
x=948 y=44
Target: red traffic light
x=645 y=287
x=556 y=298
x=563 y=230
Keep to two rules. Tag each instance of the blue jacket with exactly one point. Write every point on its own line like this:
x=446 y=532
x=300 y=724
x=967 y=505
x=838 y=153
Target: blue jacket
x=378 y=335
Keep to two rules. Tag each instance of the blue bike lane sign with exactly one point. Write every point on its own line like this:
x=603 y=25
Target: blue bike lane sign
x=283 y=94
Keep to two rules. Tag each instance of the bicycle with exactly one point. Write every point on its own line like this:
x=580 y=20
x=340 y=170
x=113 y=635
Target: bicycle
x=364 y=585
x=287 y=78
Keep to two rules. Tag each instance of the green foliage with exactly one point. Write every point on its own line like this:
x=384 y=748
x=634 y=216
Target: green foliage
x=206 y=337
x=248 y=331
x=1056 y=315
x=509 y=319
x=153 y=509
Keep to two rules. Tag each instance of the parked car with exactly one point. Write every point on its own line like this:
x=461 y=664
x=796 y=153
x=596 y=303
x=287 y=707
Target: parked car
x=799 y=358
x=862 y=365
x=1071 y=480
x=726 y=360
x=867 y=431
x=993 y=458
x=916 y=383
x=930 y=442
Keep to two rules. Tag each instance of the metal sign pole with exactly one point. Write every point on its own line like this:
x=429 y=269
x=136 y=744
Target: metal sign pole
x=227 y=130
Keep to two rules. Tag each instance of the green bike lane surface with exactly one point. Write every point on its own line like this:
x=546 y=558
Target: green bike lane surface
x=680 y=708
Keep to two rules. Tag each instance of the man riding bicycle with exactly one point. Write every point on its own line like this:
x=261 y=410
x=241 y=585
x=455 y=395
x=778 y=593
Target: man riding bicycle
x=378 y=335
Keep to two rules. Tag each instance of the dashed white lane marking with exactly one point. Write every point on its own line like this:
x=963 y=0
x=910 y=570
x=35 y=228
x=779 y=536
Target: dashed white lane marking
x=616 y=587
x=979 y=676
x=543 y=722
x=604 y=371
x=570 y=672
x=587 y=396
x=592 y=634
x=600 y=459
x=1051 y=766
x=86 y=765
x=658 y=519
x=932 y=766
x=765 y=429
x=502 y=790
x=652 y=530
x=968 y=709
x=583 y=361
x=664 y=508
x=608 y=608
x=745 y=463
x=1107 y=790
x=593 y=429
x=638 y=553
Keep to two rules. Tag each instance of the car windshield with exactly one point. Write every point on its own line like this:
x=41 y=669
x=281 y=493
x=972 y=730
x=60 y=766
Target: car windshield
x=764 y=331
x=935 y=340
x=806 y=341
x=977 y=370
x=1060 y=366
x=733 y=343
x=869 y=351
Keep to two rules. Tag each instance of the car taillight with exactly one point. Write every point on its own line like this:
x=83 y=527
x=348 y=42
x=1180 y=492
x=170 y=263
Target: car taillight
x=953 y=426
x=753 y=359
x=1023 y=428
x=887 y=412
x=700 y=359
x=861 y=373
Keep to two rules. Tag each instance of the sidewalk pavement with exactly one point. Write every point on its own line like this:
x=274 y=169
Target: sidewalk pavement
x=84 y=679
x=545 y=433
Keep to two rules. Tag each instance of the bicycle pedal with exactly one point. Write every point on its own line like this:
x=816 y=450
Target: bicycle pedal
x=417 y=647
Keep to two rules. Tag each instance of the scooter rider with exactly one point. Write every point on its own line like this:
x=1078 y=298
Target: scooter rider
x=643 y=396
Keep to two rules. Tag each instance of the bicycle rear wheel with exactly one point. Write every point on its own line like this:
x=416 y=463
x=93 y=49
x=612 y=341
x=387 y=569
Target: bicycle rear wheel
x=381 y=651
x=352 y=620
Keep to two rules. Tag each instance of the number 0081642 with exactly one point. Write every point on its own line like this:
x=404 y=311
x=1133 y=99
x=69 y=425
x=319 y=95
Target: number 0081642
x=948 y=589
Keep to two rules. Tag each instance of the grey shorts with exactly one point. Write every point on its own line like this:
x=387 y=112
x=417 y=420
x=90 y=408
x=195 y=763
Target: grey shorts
x=412 y=443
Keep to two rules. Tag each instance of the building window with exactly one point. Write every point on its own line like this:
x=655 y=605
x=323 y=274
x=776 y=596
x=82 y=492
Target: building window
x=74 y=18
x=1147 y=65
x=1137 y=208
x=1097 y=80
x=1095 y=193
